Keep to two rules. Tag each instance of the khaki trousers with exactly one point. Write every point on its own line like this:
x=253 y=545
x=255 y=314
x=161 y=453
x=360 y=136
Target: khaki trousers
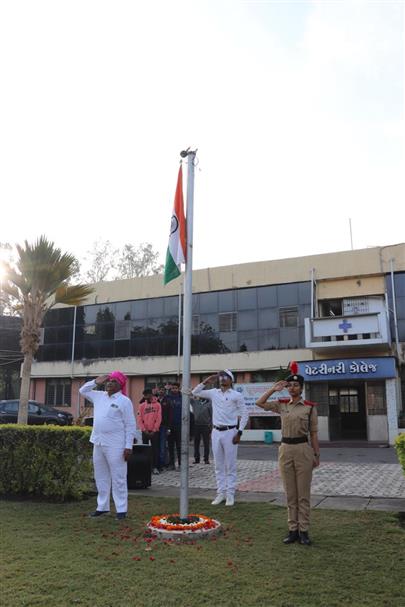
x=296 y=463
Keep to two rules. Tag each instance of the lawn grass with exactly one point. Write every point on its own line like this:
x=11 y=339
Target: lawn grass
x=54 y=555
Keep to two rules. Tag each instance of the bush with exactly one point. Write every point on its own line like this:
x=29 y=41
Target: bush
x=51 y=462
x=400 y=448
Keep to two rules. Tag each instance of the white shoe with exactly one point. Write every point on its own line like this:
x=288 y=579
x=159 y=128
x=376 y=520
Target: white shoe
x=218 y=500
x=155 y=471
x=230 y=500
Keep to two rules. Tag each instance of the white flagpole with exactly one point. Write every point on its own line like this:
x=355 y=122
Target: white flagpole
x=187 y=315
x=179 y=333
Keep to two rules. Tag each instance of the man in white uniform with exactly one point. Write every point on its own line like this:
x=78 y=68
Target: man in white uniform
x=227 y=406
x=114 y=430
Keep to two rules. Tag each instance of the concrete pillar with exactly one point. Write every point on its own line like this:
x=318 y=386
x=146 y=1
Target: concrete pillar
x=392 y=409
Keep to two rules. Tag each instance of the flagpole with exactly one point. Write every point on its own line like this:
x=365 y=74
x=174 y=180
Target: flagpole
x=179 y=332
x=187 y=316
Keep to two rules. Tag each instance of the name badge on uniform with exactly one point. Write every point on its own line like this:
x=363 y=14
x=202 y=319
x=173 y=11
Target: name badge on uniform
x=114 y=405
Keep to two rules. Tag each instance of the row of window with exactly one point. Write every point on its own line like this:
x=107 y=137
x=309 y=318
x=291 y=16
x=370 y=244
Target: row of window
x=214 y=302
x=167 y=345
x=223 y=322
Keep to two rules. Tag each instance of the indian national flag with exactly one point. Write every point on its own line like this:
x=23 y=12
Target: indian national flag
x=176 y=251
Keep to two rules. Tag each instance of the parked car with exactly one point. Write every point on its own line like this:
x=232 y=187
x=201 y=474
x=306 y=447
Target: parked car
x=37 y=413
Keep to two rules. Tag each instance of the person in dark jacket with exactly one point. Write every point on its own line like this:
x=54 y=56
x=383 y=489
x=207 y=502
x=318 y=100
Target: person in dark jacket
x=202 y=410
x=173 y=402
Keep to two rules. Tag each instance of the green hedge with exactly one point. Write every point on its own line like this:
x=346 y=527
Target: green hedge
x=51 y=462
x=400 y=448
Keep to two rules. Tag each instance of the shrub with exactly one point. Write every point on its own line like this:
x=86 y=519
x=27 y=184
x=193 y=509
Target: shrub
x=51 y=462
x=400 y=448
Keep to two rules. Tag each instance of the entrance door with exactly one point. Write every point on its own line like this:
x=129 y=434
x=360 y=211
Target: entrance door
x=347 y=412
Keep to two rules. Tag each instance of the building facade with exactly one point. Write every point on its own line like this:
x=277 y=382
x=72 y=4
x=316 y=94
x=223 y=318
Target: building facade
x=10 y=357
x=341 y=316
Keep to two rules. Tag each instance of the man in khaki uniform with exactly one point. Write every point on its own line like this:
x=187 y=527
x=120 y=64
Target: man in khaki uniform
x=296 y=457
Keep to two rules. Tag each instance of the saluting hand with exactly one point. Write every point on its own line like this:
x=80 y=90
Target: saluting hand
x=211 y=378
x=101 y=379
x=280 y=385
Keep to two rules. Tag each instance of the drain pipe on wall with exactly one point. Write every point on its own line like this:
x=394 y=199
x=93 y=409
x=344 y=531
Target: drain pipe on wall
x=394 y=309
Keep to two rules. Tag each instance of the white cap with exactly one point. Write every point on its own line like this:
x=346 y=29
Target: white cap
x=228 y=373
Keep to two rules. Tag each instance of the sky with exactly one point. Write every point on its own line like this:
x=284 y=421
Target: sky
x=296 y=109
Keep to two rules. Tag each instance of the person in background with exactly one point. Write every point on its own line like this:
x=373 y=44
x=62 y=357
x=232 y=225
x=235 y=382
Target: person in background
x=202 y=410
x=149 y=419
x=163 y=447
x=296 y=456
x=113 y=435
x=229 y=416
x=174 y=403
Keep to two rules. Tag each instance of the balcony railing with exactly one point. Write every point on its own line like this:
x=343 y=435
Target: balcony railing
x=357 y=330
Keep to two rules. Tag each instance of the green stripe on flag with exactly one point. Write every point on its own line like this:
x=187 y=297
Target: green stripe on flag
x=171 y=270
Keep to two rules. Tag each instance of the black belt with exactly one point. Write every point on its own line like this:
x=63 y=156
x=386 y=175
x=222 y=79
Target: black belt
x=294 y=441
x=222 y=428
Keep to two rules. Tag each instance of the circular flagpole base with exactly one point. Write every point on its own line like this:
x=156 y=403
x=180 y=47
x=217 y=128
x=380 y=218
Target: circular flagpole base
x=201 y=527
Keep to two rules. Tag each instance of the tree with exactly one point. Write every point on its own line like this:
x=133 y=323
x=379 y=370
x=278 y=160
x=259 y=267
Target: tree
x=7 y=305
x=110 y=263
x=38 y=282
x=138 y=261
x=102 y=261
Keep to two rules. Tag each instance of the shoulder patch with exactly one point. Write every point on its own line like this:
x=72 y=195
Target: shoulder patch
x=309 y=403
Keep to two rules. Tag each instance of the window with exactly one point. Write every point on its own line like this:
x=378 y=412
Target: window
x=195 y=324
x=247 y=299
x=226 y=301
x=155 y=307
x=58 y=392
x=376 y=403
x=227 y=322
x=348 y=400
x=11 y=407
x=289 y=317
x=356 y=305
x=208 y=302
x=122 y=329
x=153 y=381
x=264 y=376
x=332 y=307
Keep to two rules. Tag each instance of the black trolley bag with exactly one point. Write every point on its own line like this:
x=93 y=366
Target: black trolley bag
x=139 y=475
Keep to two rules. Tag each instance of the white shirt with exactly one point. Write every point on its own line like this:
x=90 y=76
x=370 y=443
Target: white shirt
x=226 y=406
x=114 y=423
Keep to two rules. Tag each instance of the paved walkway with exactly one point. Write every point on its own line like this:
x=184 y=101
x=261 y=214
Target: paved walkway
x=348 y=486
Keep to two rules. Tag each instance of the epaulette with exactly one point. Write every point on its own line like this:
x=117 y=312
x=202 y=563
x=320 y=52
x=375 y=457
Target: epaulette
x=284 y=400
x=309 y=403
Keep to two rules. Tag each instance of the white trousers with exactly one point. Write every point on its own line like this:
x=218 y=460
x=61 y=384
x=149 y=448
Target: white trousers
x=110 y=468
x=225 y=454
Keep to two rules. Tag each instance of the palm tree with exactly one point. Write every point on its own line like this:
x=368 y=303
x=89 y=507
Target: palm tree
x=38 y=282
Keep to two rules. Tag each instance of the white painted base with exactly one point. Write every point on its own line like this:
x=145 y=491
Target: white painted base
x=377 y=428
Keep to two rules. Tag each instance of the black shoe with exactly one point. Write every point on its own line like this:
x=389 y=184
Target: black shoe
x=196 y=461
x=120 y=516
x=98 y=513
x=207 y=462
x=293 y=536
x=304 y=539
